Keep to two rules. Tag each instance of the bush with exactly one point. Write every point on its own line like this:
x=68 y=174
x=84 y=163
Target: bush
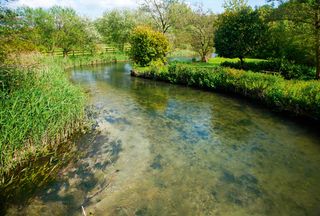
x=147 y=45
x=285 y=68
x=296 y=96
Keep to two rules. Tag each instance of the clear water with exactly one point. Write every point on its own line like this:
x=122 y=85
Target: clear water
x=171 y=150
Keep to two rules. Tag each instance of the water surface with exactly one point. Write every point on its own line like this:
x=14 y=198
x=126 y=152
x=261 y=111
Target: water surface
x=171 y=150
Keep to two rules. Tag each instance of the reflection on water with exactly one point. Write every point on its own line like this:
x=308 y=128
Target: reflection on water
x=170 y=150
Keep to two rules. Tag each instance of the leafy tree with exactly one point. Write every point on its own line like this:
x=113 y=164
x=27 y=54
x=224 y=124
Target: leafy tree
x=115 y=26
x=240 y=34
x=235 y=5
x=201 y=30
x=163 y=12
x=90 y=37
x=148 y=45
x=13 y=31
x=69 y=29
x=304 y=12
x=41 y=27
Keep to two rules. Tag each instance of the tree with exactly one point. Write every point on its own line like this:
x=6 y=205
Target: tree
x=115 y=27
x=163 y=12
x=13 y=30
x=304 y=12
x=235 y=5
x=41 y=27
x=91 y=36
x=148 y=45
x=201 y=30
x=240 y=34
x=69 y=29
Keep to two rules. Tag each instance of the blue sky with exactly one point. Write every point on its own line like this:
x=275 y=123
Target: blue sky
x=94 y=8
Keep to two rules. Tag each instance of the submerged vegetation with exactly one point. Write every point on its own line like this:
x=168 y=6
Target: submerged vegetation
x=293 y=96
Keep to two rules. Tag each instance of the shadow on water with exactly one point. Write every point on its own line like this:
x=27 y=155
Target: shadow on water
x=171 y=150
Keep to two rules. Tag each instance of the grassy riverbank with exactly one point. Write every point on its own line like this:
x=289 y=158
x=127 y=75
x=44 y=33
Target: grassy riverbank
x=301 y=98
x=40 y=110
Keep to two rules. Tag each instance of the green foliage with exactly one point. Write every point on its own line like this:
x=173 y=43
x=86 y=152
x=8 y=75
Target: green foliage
x=12 y=34
x=201 y=29
x=286 y=39
x=115 y=26
x=240 y=33
x=235 y=5
x=38 y=107
x=296 y=97
x=287 y=69
x=27 y=29
x=148 y=45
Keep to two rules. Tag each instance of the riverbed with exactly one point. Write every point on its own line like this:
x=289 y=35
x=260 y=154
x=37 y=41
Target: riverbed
x=161 y=149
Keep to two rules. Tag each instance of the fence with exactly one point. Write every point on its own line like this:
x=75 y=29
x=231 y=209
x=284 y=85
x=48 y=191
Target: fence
x=104 y=49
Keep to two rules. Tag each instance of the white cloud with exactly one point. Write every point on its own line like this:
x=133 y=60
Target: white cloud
x=91 y=8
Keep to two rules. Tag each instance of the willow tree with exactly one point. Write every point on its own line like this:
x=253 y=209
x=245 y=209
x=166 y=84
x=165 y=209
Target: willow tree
x=305 y=12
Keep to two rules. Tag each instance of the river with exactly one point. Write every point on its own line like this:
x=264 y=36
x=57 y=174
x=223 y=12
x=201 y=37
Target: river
x=165 y=150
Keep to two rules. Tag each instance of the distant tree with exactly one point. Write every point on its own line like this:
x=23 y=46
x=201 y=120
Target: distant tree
x=91 y=37
x=303 y=12
x=13 y=31
x=240 y=34
x=235 y=5
x=41 y=27
x=148 y=45
x=201 y=30
x=163 y=12
x=69 y=29
x=115 y=27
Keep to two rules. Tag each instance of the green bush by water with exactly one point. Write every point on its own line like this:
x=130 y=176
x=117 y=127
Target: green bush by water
x=295 y=96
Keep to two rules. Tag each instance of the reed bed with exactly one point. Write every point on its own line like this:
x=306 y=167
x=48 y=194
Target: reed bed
x=40 y=110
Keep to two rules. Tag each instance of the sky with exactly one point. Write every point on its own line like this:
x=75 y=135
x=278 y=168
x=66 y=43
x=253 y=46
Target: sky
x=95 y=8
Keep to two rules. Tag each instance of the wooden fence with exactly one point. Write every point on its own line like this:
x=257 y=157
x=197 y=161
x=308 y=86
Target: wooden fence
x=105 y=49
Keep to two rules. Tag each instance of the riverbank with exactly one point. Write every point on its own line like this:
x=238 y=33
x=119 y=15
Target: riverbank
x=297 y=97
x=40 y=111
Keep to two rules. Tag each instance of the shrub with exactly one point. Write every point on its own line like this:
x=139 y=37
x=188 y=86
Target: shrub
x=285 y=68
x=147 y=45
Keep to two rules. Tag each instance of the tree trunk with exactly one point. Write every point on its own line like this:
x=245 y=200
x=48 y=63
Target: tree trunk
x=317 y=36
x=318 y=57
x=241 y=62
x=65 y=53
x=204 y=58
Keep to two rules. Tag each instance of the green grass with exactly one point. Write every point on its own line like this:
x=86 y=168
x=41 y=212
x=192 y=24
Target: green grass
x=40 y=110
x=293 y=96
x=182 y=53
x=218 y=60
x=39 y=107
